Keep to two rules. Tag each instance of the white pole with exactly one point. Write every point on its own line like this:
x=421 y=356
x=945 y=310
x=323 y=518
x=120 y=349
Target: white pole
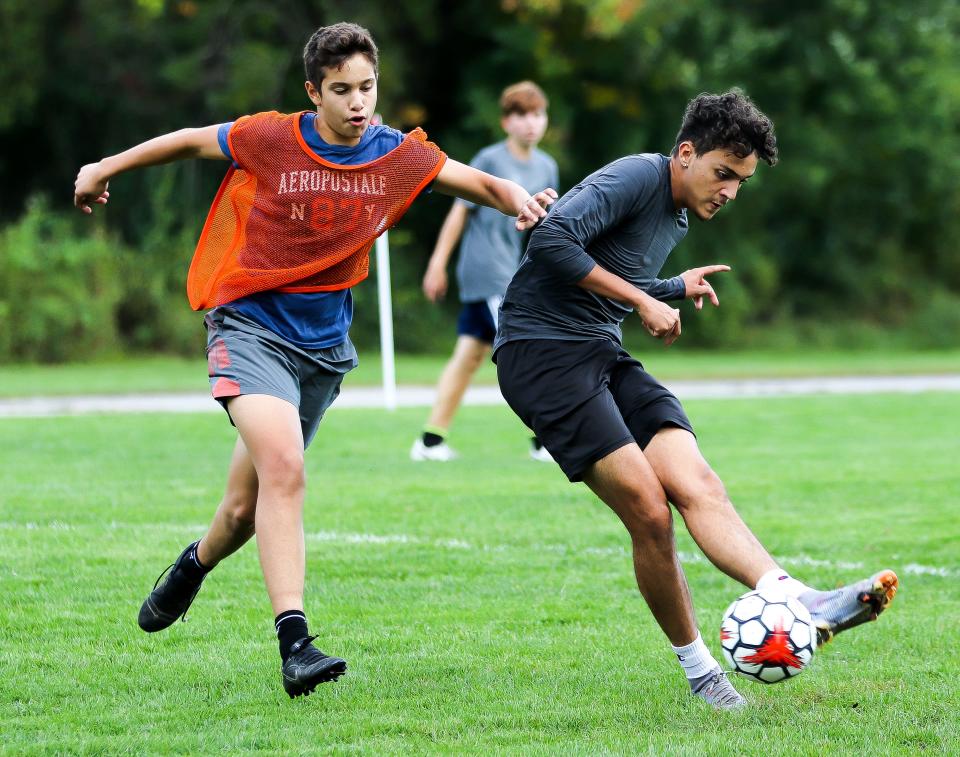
x=386 y=323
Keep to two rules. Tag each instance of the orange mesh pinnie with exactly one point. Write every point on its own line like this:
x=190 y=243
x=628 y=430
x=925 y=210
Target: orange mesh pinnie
x=289 y=220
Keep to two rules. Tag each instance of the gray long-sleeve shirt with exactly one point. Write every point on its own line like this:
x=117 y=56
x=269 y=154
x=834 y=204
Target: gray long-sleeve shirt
x=621 y=218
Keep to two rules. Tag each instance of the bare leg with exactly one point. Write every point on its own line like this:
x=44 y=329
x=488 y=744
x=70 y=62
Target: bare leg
x=270 y=429
x=233 y=524
x=467 y=356
x=702 y=501
x=627 y=483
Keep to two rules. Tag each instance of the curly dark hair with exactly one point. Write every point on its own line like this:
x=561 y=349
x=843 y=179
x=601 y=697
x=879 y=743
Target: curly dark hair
x=330 y=46
x=729 y=121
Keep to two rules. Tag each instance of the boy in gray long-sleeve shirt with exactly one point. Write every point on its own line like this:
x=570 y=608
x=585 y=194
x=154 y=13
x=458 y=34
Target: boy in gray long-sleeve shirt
x=621 y=210
x=562 y=368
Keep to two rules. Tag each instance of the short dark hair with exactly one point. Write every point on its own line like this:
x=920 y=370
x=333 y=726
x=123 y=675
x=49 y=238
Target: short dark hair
x=522 y=97
x=330 y=46
x=730 y=121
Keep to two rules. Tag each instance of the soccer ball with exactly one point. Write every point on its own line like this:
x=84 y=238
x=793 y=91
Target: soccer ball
x=767 y=636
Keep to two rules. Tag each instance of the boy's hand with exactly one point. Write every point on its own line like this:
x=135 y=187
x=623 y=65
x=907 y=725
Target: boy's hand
x=661 y=320
x=434 y=283
x=534 y=208
x=698 y=286
x=90 y=188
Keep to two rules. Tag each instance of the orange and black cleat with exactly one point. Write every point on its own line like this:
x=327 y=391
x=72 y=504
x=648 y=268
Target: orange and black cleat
x=849 y=606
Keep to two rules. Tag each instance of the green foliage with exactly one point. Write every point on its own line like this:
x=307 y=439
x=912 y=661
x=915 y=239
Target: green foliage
x=866 y=99
x=938 y=322
x=59 y=289
x=21 y=37
x=861 y=217
x=154 y=315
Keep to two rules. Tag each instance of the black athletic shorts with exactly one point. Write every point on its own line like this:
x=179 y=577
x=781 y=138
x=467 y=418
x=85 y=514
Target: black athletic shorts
x=584 y=399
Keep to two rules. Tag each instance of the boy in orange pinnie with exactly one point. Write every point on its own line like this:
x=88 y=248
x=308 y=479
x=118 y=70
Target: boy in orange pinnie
x=287 y=236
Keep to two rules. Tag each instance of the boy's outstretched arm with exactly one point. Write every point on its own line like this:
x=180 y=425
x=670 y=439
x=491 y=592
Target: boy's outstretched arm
x=90 y=187
x=508 y=197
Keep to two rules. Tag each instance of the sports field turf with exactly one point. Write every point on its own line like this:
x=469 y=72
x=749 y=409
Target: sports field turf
x=484 y=606
x=161 y=373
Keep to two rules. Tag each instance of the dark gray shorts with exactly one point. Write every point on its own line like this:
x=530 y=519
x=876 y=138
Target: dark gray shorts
x=245 y=358
x=584 y=399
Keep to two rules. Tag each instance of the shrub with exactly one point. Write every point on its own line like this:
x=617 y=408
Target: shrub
x=59 y=288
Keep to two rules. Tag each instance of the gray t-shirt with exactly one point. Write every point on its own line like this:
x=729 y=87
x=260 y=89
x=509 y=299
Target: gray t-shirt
x=491 y=245
x=621 y=218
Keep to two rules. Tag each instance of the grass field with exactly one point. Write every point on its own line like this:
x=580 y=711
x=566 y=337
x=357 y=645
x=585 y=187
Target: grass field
x=485 y=606
x=170 y=374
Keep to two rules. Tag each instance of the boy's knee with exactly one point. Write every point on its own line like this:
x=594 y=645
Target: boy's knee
x=706 y=487
x=649 y=521
x=472 y=363
x=240 y=509
x=470 y=360
x=285 y=471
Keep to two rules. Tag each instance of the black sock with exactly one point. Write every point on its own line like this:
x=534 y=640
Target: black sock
x=291 y=627
x=537 y=444
x=191 y=565
x=431 y=439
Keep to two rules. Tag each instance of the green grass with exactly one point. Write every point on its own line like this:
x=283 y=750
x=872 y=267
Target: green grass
x=485 y=606
x=170 y=374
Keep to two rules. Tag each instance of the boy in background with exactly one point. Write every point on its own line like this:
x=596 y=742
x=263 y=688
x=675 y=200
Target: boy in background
x=489 y=255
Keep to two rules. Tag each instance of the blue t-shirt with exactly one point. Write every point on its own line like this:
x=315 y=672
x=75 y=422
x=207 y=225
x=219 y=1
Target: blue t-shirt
x=313 y=320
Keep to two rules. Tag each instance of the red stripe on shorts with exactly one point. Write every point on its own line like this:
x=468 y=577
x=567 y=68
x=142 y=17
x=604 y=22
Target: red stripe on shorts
x=226 y=387
x=217 y=358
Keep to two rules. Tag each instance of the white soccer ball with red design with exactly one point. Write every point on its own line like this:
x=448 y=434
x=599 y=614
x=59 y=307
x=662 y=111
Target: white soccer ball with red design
x=768 y=636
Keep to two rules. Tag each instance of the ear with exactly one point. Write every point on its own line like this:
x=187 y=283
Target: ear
x=313 y=93
x=686 y=152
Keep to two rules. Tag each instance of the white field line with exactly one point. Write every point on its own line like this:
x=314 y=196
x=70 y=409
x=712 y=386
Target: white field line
x=423 y=396
x=374 y=540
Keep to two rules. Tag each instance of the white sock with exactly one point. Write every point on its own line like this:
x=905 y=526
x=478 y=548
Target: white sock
x=695 y=658
x=778 y=579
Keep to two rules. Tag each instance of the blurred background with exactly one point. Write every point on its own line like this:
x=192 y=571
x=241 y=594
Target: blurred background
x=851 y=242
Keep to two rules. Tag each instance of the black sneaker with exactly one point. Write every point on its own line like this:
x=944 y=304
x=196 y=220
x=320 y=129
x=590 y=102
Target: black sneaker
x=307 y=666
x=169 y=600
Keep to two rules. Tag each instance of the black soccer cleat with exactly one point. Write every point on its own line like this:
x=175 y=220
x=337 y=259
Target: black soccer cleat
x=307 y=666
x=169 y=600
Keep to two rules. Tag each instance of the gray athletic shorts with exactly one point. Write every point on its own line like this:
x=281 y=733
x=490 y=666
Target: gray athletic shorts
x=245 y=358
